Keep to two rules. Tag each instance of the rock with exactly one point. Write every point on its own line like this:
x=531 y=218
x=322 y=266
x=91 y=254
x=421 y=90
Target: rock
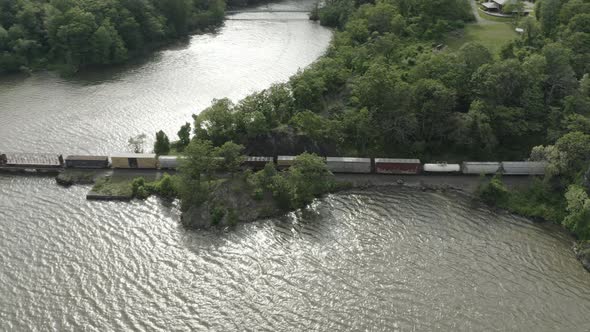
x=64 y=180
x=582 y=251
x=70 y=177
x=400 y=181
x=231 y=202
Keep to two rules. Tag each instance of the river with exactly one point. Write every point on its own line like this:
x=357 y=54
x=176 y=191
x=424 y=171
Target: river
x=384 y=259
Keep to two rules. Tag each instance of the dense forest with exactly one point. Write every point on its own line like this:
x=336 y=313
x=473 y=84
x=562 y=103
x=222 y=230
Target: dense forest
x=385 y=88
x=68 y=34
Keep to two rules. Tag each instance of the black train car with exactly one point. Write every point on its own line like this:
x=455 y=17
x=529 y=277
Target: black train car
x=87 y=162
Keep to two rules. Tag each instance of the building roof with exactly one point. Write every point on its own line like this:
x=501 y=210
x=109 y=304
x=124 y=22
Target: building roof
x=133 y=155
x=491 y=5
x=501 y=2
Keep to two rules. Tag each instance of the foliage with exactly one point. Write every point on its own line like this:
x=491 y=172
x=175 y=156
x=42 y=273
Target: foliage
x=231 y=156
x=184 y=137
x=162 y=144
x=75 y=33
x=307 y=179
x=196 y=173
x=537 y=201
x=136 y=143
x=165 y=187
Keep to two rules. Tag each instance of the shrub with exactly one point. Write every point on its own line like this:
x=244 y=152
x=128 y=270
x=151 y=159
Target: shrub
x=494 y=192
x=217 y=214
x=165 y=187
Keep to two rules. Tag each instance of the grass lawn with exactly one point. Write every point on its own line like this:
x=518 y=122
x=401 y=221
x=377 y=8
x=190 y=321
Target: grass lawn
x=493 y=36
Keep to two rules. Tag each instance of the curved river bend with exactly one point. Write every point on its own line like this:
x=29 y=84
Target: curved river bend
x=389 y=259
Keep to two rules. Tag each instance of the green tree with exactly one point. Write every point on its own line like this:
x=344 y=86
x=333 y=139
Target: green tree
x=549 y=15
x=232 y=157
x=309 y=177
x=184 y=136
x=197 y=164
x=162 y=144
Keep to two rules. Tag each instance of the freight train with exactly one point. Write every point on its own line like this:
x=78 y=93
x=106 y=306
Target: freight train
x=335 y=164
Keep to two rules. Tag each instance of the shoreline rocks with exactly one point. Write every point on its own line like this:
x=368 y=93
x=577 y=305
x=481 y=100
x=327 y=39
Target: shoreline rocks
x=582 y=251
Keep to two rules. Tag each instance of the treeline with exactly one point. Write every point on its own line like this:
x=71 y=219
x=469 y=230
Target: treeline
x=385 y=89
x=68 y=34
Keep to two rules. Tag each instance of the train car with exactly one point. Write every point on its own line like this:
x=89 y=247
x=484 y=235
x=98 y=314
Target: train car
x=480 y=167
x=34 y=160
x=348 y=165
x=94 y=162
x=134 y=160
x=168 y=162
x=285 y=161
x=524 y=167
x=442 y=168
x=256 y=163
x=397 y=166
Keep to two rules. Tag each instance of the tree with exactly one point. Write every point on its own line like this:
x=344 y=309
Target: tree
x=308 y=178
x=549 y=16
x=561 y=79
x=216 y=123
x=434 y=103
x=197 y=161
x=231 y=153
x=184 y=136
x=162 y=144
x=136 y=143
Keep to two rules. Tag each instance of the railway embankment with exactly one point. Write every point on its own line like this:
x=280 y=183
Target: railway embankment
x=465 y=183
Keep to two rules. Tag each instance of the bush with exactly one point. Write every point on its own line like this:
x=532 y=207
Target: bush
x=165 y=187
x=136 y=184
x=217 y=214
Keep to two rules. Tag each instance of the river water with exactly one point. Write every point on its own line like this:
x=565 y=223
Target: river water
x=386 y=259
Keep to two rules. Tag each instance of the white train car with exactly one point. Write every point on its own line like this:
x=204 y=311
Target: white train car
x=480 y=167
x=442 y=168
x=349 y=165
x=168 y=162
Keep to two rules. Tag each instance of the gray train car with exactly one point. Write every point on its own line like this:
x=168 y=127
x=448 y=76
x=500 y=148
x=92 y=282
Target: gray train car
x=168 y=162
x=524 y=167
x=94 y=162
x=256 y=163
x=285 y=161
x=348 y=165
x=480 y=167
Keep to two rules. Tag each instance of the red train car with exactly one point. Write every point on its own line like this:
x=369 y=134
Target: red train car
x=397 y=166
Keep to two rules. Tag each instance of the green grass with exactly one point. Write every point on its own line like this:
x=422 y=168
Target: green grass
x=493 y=36
x=113 y=187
